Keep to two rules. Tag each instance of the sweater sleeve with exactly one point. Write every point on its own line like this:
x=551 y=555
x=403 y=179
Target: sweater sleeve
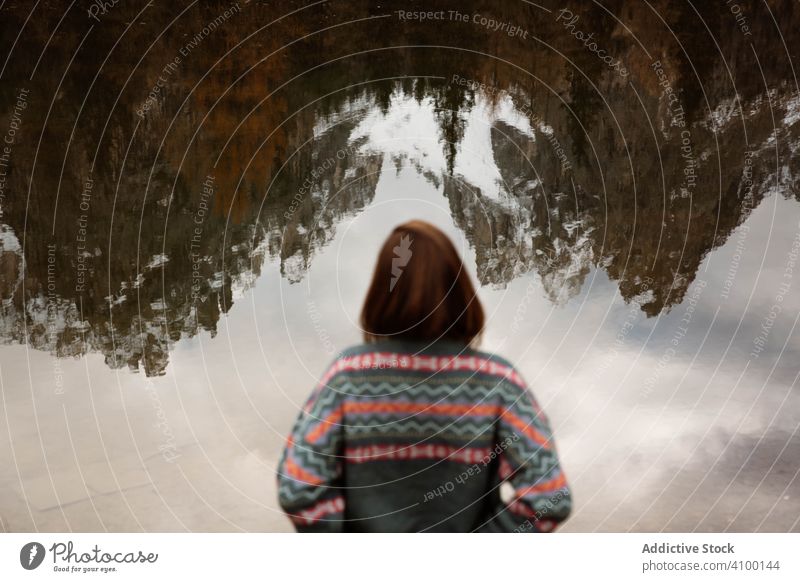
x=310 y=470
x=529 y=464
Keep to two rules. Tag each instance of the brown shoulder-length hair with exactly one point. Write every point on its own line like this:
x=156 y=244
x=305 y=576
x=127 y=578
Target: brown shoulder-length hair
x=421 y=290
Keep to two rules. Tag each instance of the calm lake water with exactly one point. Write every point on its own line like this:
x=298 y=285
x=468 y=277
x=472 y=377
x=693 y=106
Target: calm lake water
x=193 y=198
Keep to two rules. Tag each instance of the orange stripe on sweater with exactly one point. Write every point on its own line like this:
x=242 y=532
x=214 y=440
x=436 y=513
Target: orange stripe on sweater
x=336 y=416
x=319 y=431
x=413 y=407
x=525 y=428
x=544 y=487
x=297 y=472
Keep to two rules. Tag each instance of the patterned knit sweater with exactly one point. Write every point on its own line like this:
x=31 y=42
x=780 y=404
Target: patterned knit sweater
x=400 y=437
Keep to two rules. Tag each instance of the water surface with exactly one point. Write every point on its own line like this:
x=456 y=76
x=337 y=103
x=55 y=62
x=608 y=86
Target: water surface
x=195 y=196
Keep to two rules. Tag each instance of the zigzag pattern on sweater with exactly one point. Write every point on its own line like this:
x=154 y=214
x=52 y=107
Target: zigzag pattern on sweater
x=386 y=417
x=371 y=426
x=322 y=409
x=469 y=391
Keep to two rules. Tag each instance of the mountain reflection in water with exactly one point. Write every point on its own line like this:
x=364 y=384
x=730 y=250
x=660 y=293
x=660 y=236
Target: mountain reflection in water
x=551 y=164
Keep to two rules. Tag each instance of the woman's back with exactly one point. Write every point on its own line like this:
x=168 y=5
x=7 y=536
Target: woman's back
x=415 y=430
x=411 y=436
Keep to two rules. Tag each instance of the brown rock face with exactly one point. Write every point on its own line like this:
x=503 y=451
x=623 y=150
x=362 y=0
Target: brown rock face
x=156 y=166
